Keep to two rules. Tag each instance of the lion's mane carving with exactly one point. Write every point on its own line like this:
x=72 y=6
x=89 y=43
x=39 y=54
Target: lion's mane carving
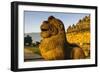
x=54 y=45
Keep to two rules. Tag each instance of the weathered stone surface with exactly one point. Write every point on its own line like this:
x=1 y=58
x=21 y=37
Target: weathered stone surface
x=54 y=45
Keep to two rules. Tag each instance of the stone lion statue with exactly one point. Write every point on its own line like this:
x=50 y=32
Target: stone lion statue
x=54 y=45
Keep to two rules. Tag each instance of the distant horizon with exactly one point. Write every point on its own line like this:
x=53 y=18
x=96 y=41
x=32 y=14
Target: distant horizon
x=34 y=19
x=35 y=36
x=32 y=32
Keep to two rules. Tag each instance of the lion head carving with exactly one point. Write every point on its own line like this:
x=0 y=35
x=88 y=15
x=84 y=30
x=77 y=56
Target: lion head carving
x=54 y=45
x=52 y=27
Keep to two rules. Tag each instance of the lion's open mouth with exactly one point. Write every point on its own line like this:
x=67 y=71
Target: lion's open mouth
x=44 y=29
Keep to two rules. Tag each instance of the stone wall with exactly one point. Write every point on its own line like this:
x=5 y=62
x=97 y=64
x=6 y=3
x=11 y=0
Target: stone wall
x=79 y=34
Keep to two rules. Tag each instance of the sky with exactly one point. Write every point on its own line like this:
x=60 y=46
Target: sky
x=34 y=19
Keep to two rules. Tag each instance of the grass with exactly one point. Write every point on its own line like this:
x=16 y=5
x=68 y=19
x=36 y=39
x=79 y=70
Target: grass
x=33 y=49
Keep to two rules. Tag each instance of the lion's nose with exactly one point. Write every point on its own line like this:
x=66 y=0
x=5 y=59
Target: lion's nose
x=44 y=25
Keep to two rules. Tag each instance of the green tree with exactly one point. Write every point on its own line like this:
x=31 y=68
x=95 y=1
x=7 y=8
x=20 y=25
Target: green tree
x=28 y=39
